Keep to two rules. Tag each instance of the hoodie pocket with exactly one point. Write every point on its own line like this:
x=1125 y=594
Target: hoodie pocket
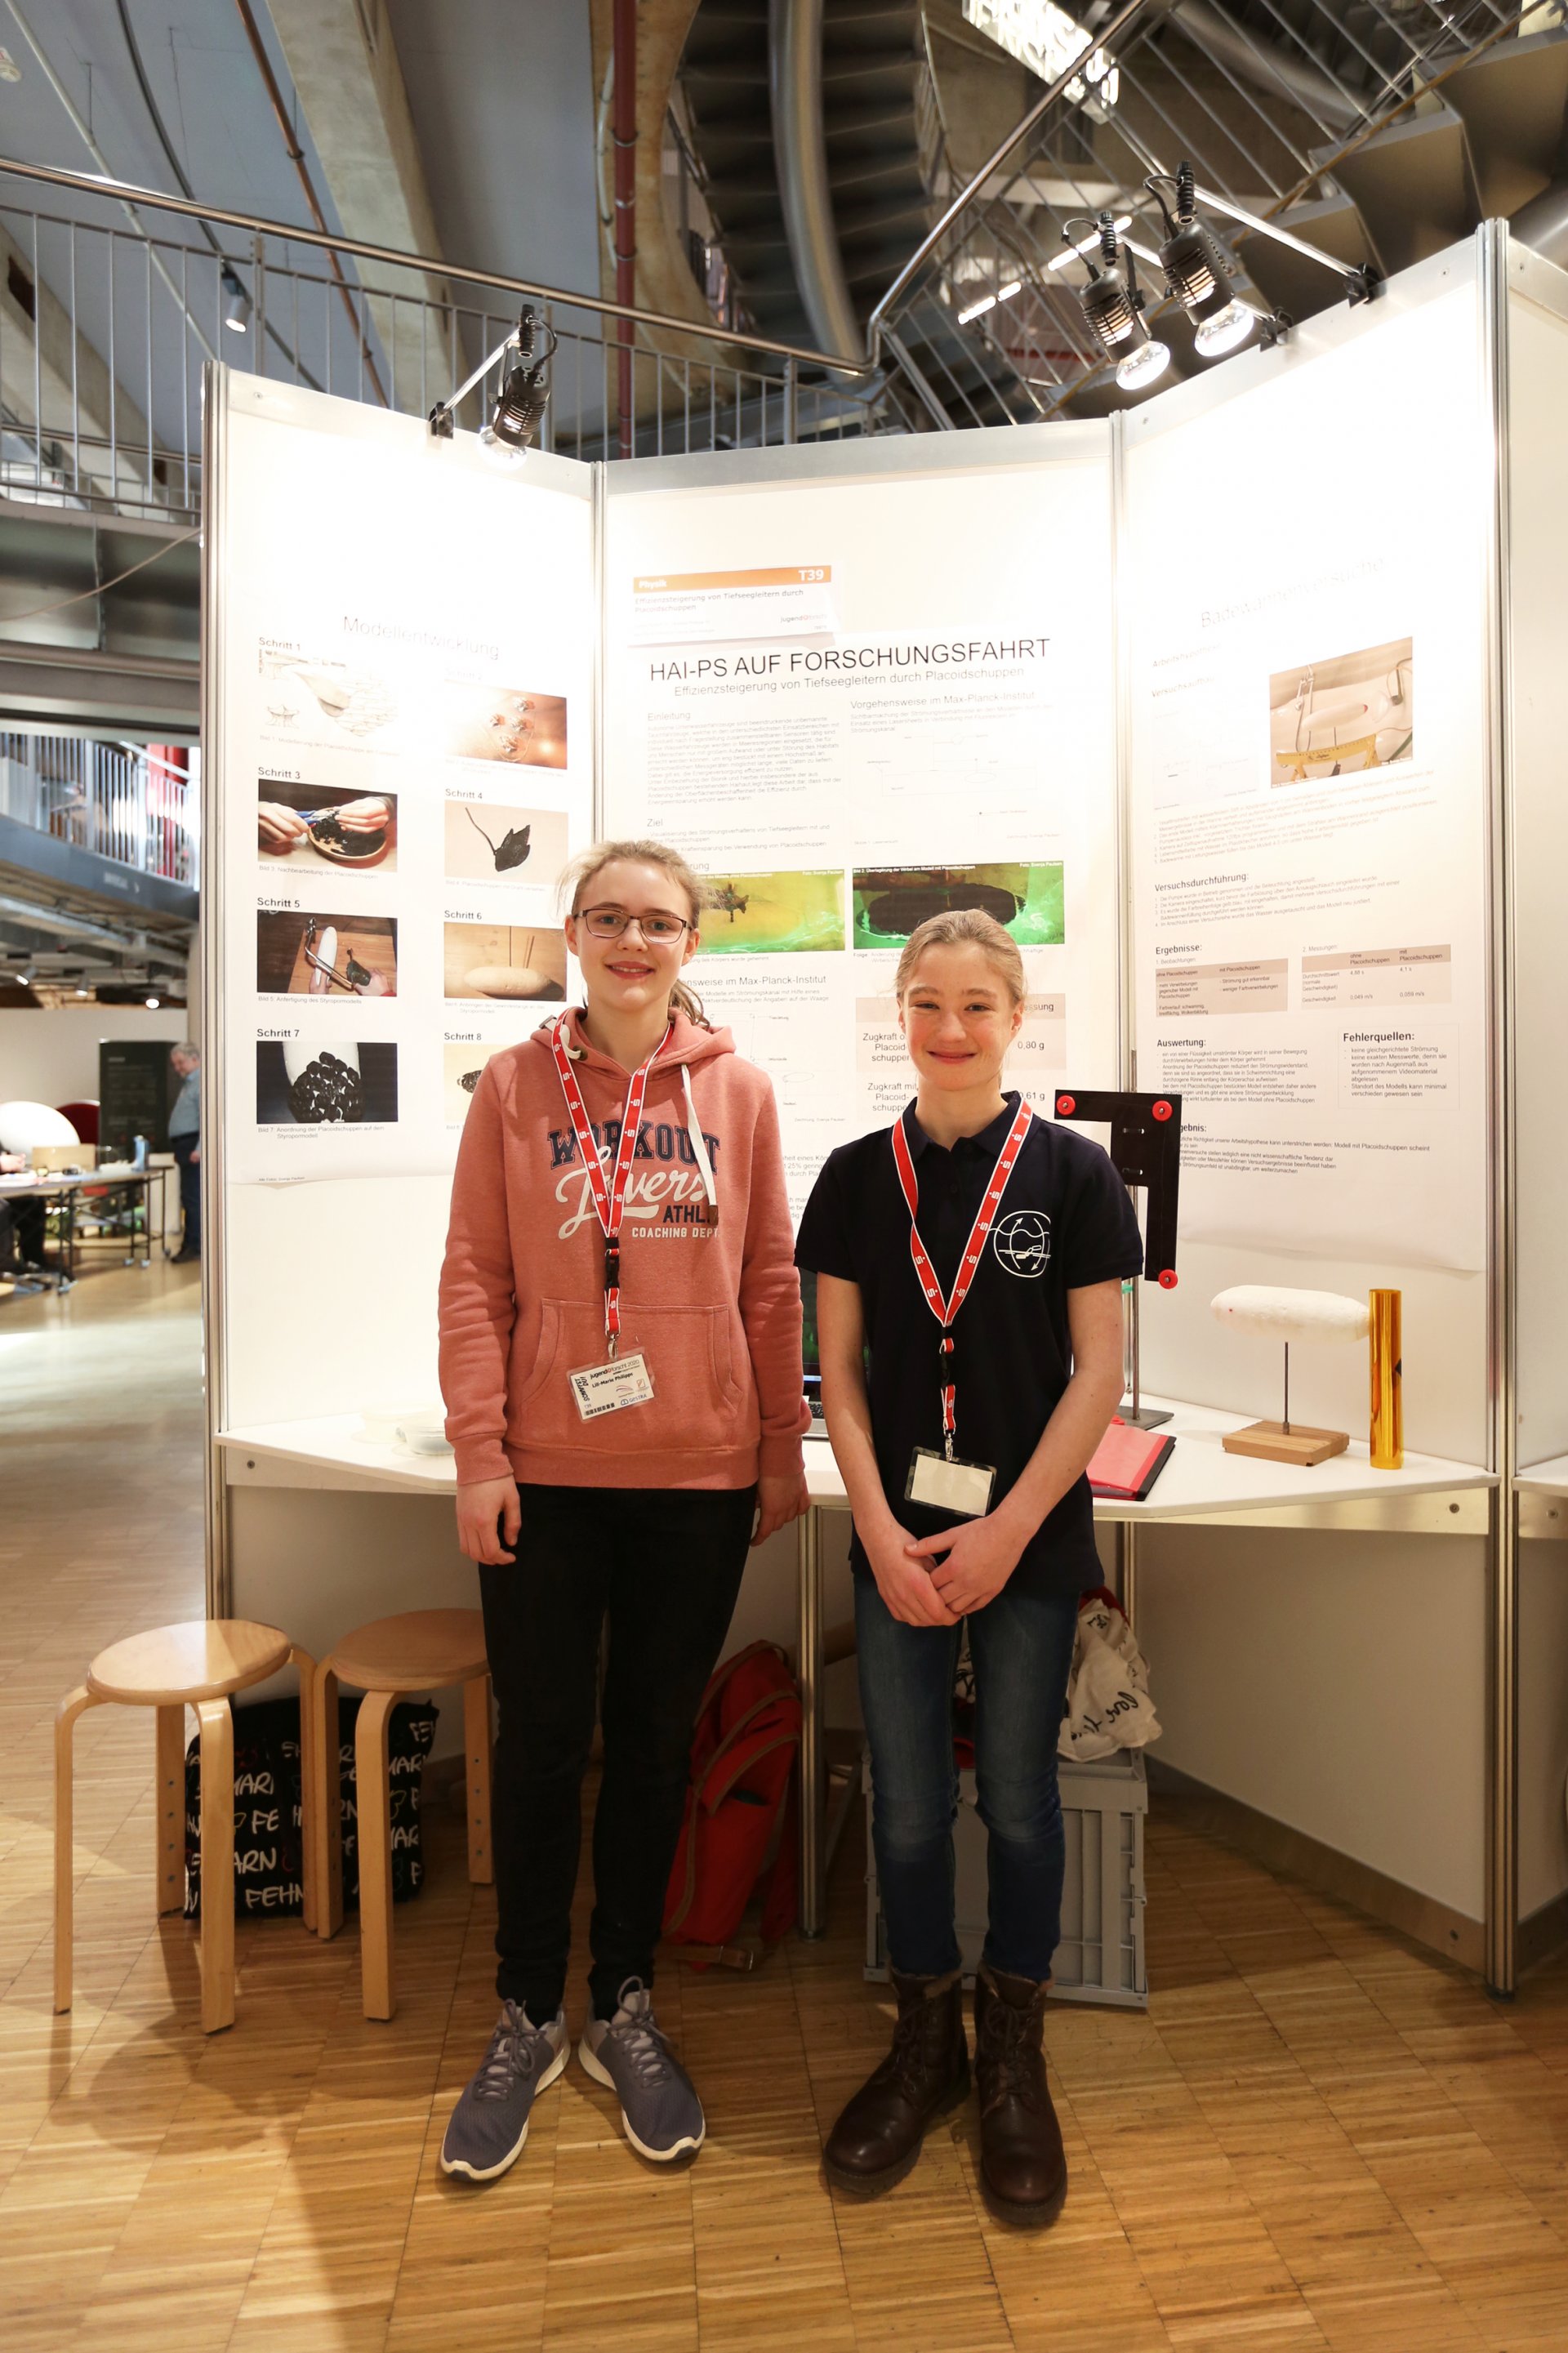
x=700 y=1402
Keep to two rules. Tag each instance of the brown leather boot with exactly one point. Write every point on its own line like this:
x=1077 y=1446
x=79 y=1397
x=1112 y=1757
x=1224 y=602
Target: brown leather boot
x=878 y=2138
x=1023 y=2169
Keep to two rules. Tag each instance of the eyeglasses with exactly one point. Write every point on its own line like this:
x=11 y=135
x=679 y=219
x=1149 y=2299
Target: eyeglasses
x=659 y=928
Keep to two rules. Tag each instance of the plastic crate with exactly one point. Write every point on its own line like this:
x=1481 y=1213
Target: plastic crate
x=1100 y=1956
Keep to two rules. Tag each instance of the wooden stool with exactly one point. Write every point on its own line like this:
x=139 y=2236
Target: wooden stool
x=171 y=1669
x=423 y=1649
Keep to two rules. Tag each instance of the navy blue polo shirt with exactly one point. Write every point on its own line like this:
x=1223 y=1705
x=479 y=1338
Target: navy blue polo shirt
x=1065 y=1221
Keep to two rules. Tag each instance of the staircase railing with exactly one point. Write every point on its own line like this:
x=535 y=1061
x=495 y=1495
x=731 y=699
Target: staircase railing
x=1261 y=116
x=104 y=331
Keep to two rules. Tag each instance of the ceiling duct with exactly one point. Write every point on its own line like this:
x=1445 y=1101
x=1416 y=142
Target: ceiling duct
x=800 y=152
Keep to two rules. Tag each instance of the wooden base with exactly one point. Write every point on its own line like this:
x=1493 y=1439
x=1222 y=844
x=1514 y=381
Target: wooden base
x=1298 y=1444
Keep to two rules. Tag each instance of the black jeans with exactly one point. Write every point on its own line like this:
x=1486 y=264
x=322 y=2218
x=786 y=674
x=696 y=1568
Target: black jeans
x=182 y=1146
x=21 y=1233
x=665 y=1565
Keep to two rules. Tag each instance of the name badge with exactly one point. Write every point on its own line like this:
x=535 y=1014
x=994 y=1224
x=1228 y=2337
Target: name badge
x=962 y=1488
x=610 y=1388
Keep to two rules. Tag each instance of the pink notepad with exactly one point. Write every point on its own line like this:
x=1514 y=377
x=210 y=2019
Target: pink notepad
x=1127 y=1461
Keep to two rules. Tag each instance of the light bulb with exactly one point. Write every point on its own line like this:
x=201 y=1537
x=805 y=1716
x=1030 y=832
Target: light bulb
x=505 y=455
x=1225 y=329
x=1143 y=366
x=151 y=1003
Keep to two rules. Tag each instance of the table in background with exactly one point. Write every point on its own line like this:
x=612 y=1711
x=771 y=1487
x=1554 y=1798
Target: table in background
x=67 y=1193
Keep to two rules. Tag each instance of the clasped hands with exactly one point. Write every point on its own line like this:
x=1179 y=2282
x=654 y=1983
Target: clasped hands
x=936 y=1580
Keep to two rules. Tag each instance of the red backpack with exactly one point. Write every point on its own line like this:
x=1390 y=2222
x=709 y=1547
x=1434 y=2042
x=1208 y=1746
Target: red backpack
x=741 y=1809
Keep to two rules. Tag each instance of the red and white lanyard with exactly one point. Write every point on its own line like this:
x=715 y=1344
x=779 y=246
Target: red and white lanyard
x=609 y=1199
x=945 y=1309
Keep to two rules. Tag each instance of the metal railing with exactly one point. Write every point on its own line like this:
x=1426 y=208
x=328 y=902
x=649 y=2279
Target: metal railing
x=104 y=331
x=122 y=801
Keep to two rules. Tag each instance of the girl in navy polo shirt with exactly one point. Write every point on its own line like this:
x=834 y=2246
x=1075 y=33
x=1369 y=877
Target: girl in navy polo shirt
x=969 y=1265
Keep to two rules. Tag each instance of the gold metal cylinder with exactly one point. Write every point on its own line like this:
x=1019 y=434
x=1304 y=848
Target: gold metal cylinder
x=1387 y=1400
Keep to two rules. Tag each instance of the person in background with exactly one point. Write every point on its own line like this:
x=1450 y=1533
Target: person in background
x=21 y=1226
x=980 y=1252
x=626 y=1411
x=185 y=1144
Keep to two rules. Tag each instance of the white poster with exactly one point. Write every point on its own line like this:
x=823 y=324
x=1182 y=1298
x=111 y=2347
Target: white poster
x=1308 y=802
x=406 y=765
x=857 y=700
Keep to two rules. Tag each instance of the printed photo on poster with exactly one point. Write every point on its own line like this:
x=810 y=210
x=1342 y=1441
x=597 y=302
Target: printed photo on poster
x=891 y=901
x=306 y=1083
x=317 y=825
x=462 y=1066
x=325 y=955
x=514 y=724
x=1340 y=717
x=773 y=914
x=489 y=843
x=505 y=960
x=326 y=701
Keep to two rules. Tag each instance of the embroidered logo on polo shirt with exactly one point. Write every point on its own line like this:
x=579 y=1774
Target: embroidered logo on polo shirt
x=1022 y=1241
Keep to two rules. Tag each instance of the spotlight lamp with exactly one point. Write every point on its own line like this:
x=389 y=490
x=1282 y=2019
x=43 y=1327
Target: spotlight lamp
x=1198 y=269
x=236 y=305
x=1113 y=306
x=524 y=395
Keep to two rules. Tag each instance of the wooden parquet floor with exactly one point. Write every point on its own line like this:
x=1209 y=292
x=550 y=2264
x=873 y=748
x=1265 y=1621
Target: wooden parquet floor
x=1317 y=2136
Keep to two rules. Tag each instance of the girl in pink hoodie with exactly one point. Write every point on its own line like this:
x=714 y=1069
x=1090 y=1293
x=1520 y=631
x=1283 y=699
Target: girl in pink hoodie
x=621 y=1363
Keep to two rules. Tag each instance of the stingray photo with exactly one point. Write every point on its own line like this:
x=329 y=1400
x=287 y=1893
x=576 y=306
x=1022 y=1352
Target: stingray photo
x=773 y=914
x=494 y=841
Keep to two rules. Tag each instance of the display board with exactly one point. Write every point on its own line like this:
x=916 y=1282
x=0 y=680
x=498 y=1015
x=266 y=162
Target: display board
x=857 y=686
x=407 y=763
x=136 y=1091
x=1306 y=574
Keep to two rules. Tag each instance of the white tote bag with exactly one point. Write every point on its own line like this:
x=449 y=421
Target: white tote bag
x=1109 y=1707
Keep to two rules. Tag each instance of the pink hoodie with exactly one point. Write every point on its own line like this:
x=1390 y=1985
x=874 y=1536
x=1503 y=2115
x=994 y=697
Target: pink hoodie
x=716 y=1311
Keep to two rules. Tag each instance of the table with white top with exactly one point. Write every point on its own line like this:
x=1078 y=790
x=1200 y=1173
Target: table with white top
x=1200 y=1483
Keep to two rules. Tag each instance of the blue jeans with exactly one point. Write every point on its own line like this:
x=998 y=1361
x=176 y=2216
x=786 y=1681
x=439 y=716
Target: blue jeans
x=1022 y=1646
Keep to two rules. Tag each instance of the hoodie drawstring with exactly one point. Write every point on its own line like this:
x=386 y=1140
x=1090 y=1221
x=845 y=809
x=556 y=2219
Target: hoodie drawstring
x=698 y=1142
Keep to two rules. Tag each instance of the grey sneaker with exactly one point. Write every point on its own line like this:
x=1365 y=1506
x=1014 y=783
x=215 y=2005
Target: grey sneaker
x=486 y=2130
x=659 y=2107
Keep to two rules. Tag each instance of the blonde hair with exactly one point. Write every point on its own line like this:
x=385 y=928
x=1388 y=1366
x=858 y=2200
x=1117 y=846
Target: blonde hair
x=581 y=872
x=964 y=927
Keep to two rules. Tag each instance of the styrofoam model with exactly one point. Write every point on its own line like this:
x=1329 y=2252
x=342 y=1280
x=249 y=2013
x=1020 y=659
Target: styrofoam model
x=1281 y=1314
x=23 y=1126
